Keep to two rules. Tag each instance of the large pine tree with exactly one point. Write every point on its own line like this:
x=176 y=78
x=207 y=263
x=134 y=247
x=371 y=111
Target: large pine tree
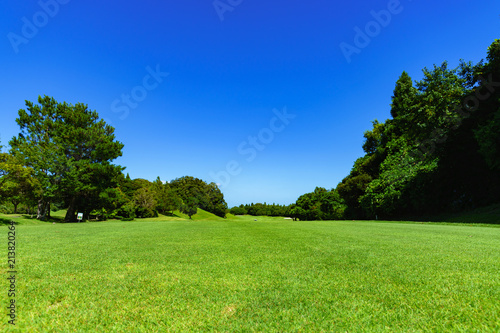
x=70 y=151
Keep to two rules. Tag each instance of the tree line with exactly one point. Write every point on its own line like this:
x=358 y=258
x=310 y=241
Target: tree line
x=261 y=209
x=62 y=159
x=438 y=153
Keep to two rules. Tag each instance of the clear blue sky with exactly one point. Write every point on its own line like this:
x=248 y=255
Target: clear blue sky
x=226 y=76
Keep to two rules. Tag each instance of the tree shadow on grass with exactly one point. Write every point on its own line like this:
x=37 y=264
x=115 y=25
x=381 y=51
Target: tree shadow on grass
x=172 y=215
x=483 y=215
x=52 y=219
x=4 y=221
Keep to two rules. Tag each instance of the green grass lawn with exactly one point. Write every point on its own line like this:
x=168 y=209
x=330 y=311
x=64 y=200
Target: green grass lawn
x=273 y=275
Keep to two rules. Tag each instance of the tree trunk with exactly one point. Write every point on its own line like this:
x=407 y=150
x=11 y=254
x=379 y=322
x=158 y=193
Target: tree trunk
x=40 y=214
x=71 y=213
x=47 y=209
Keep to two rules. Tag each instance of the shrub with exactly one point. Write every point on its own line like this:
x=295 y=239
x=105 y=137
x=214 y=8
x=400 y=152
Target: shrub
x=238 y=211
x=146 y=212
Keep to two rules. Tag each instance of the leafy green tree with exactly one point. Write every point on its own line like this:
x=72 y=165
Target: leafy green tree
x=373 y=138
x=404 y=103
x=167 y=200
x=3 y=164
x=298 y=213
x=439 y=152
x=353 y=187
x=238 y=211
x=128 y=210
x=434 y=115
x=70 y=151
x=331 y=205
x=216 y=203
x=208 y=196
x=17 y=183
x=173 y=201
x=319 y=205
x=395 y=191
x=111 y=202
x=10 y=192
x=145 y=202
x=190 y=206
x=127 y=185
x=160 y=194
x=487 y=132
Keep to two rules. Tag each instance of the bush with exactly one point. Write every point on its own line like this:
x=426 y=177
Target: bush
x=238 y=211
x=127 y=210
x=127 y=219
x=7 y=208
x=146 y=212
x=100 y=214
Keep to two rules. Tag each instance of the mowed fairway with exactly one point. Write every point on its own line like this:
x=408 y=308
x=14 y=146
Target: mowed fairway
x=272 y=275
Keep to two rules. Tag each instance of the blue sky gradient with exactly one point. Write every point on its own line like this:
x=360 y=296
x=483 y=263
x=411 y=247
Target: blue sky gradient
x=228 y=78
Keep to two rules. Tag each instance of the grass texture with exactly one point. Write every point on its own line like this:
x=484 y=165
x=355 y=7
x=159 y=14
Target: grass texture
x=241 y=275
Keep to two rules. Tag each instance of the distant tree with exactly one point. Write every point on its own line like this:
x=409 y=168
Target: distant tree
x=331 y=205
x=404 y=97
x=111 y=202
x=167 y=200
x=190 y=206
x=17 y=183
x=216 y=203
x=321 y=204
x=208 y=196
x=145 y=202
x=373 y=138
x=238 y=211
x=298 y=213
x=127 y=185
x=160 y=195
x=263 y=209
x=173 y=201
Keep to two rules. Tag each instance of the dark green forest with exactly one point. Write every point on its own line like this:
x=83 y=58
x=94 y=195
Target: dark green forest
x=438 y=152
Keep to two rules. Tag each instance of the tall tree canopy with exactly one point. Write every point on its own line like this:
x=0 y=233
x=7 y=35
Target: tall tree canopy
x=440 y=151
x=70 y=151
x=207 y=196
